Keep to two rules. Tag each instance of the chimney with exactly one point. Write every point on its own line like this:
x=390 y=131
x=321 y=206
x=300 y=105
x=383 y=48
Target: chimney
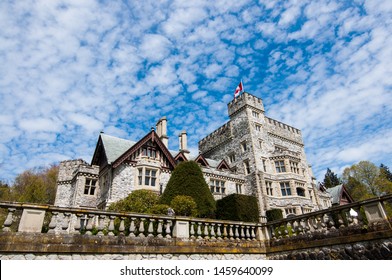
x=182 y=138
x=162 y=131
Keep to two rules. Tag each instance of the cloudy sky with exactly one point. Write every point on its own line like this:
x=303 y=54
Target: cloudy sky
x=69 y=69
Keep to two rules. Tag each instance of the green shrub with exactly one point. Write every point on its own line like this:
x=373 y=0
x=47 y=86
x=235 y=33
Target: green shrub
x=238 y=207
x=274 y=214
x=187 y=179
x=139 y=201
x=160 y=209
x=184 y=205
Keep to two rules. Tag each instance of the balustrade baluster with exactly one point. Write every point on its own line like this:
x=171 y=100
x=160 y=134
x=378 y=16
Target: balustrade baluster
x=89 y=226
x=121 y=228
x=66 y=219
x=272 y=232
x=53 y=222
x=294 y=231
x=111 y=225
x=225 y=231
x=213 y=232
x=141 y=227
x=242 y=234
x=236 y=233
x=9 y=220
x=168 y=229
x=330 y=223
x=247 y=234
x=151 y=228
x=132 y=227
x=252 y=232
x=192 y=230
x=218 y=232
x=159 y=228
x=78 y=225
x=206 y=231
x=199 y=231
x=101 y=224
x=287 y=229
x=231 y=234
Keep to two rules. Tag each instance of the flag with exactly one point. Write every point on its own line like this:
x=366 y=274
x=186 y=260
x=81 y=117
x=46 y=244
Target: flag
x=238 y=90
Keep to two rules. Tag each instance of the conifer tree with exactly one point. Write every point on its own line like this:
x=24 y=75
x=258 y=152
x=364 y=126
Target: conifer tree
x=187 y=179
x=331 y=179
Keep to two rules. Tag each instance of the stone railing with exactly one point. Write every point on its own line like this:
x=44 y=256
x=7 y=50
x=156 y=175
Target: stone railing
x=359 y=217
x=25 y=217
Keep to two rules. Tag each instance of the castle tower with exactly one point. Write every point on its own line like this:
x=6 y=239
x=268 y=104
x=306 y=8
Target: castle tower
x=270 y=154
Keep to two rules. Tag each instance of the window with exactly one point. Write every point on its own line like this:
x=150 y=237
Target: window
x=260 y=144
x=291 y=211
x=279 y=165
x=294 y=167
x=89 y=188
x=268 y=187
x=238 y=188
x=243 y=147
x=247 y=167
x=232 y=158
x=258 y=127
x=300 y=188
x=255 y=114
x=217 y=186
x=149 y=175
x=264 y=165
x=285 y=188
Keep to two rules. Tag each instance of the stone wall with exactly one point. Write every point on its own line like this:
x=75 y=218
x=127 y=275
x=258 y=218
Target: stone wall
x=132 y=257
x=367 y=250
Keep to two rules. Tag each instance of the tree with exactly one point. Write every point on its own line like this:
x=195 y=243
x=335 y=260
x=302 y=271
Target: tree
x=187 y=179
x=5 y=192
x=331 y=179
x=36 y=186
x=365 y=173
x=139 y=201
x=384 y=170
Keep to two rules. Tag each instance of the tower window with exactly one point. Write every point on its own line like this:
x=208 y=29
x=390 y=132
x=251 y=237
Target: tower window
x=90 y=186
x=285 y=188
x=279 y=165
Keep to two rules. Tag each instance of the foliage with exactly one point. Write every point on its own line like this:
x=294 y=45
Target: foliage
x=187 y=179
x=138 y=201
x=5 y=192
x=159 y=209
x=365 y=180
x=35 y=186
x=238 y=207
x=184 y=205
x=274 y=214
x=385 y=172
x=331 y=179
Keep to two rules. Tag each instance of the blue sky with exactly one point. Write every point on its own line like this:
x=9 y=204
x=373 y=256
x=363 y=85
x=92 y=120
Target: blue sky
x=69 y=69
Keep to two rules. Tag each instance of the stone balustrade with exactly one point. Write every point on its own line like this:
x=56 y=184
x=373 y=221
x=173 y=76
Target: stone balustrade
x=352 y=218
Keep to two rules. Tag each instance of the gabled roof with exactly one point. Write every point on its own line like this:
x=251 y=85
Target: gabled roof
x=180 y=157
x=153 y=137
x=223 y=165
x=337 y=193
x=201 y=159
x=110 y=147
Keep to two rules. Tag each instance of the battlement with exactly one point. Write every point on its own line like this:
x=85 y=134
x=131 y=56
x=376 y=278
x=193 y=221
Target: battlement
x=68 y=167
x=280 y=129
x=215 y=138
x=245 y=99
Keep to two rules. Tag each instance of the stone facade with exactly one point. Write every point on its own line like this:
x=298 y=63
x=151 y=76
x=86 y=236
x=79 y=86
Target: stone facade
x=271 y=155
x=250 y=154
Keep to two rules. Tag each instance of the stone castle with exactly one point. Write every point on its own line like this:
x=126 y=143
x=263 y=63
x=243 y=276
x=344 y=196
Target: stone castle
x=251 y=154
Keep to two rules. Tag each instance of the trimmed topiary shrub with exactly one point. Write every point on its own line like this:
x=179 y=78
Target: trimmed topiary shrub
x=238 y=207
x=187 y=179
x=274 y=214
x=139 y=201
x=184 y=205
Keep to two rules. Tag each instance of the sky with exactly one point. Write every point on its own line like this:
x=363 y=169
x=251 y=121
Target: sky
x=70 y=69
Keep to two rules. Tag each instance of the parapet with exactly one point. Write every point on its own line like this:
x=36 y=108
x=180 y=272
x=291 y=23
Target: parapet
x=215 y=138
x=68 y=167
x=245 y=99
